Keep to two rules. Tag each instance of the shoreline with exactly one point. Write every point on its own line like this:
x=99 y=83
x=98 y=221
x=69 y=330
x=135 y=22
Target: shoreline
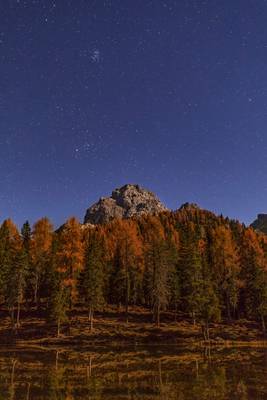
x=111 y=330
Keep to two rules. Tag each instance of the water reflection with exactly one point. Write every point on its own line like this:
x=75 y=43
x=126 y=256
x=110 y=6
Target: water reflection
x=145 y=373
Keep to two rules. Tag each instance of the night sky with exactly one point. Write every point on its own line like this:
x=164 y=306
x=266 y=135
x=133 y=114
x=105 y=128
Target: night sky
x=168 y=94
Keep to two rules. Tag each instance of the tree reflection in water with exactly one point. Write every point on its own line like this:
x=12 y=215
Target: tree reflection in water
x=133 y=374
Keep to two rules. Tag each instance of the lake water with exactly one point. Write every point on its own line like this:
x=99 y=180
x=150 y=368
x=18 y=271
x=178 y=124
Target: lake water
x=133 y=373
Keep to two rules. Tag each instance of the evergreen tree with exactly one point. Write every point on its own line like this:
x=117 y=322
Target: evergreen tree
x=127 y=262
x=26 y=237
x=92 y=277
x=260 y=295
x=159 y=265
x=226 y=267
x=10 y=247
x=17 y=283
x=42 y=236
x=59 y=304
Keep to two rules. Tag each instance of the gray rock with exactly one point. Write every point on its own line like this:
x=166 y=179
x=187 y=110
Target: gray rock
x=125 y=202
x=260 y=224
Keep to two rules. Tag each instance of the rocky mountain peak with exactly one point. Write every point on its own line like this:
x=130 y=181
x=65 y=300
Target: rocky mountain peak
x=260 y=224
x=124 y=202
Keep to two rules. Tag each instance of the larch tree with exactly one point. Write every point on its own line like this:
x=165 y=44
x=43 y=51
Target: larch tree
x=159 y=266
x=70 y=257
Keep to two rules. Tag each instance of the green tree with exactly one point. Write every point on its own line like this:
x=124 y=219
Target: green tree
x=59 y=305
x=92 y=277
x=42 y=236
x=10 y=248
x=159 y=266
x=17 y=282
x=226 y=266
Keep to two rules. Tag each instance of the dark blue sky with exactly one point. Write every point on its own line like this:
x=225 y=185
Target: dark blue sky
x=168 y=94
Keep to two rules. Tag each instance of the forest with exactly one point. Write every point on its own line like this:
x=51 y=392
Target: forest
x=189 y=261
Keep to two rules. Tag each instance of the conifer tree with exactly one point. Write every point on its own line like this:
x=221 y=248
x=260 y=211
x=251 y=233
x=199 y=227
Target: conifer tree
x=254 y=274
x=59 y=304
x=92 y=277
x=125 y=278
x=17 y=282
x=226 y=265
x=159 y=267
x=26 y=237
x=70 y=257
x=42 y=236
x=260 y=295
x=58 y=300
x=10 y=246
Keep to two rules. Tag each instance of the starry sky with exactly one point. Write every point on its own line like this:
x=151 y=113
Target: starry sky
x=98 y=93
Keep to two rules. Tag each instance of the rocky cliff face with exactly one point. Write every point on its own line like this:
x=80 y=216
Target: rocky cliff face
x=260 y=224
x=124 y=202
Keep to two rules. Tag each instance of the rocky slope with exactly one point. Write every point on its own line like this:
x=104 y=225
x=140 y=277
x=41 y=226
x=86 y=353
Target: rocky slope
x=260 y=224
x=125 y=202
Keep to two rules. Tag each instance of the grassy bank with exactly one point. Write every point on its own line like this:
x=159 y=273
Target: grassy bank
x=110 y=328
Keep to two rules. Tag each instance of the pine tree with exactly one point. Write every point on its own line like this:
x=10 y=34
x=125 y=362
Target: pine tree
x=159 y=267
x=226 y=264
x=260 y=295
x=254 y=273
x=26 y=237
x=127 y=264
x=58 y=300
x=92 y=277
x=17 y=282
x=10 y=247
x=59 y=305
x=42 y=236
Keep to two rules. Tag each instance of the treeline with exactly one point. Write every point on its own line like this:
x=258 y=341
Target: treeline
x=188 y=261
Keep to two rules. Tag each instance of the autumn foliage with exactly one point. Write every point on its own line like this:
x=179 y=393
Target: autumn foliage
x=190 y=261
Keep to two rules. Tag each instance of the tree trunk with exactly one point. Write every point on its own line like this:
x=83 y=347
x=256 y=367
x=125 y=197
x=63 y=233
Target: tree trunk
x=207 y=331
x=89 y=369
x=194 y=318
x=263 y=324
x=13 y=372
x=90 y=317
x=158 y=315
x=28 y=391
x=18 y=315
x=58 y=327
x=12 y=312
x=160 y=377
x=228 y=310
x=127 y=290
x=92 y=320
x=57 y=354
x=203 y=332
x=36 y=291
x=175 y=312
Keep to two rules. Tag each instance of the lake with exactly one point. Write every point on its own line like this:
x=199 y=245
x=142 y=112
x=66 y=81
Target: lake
x=155 y=372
